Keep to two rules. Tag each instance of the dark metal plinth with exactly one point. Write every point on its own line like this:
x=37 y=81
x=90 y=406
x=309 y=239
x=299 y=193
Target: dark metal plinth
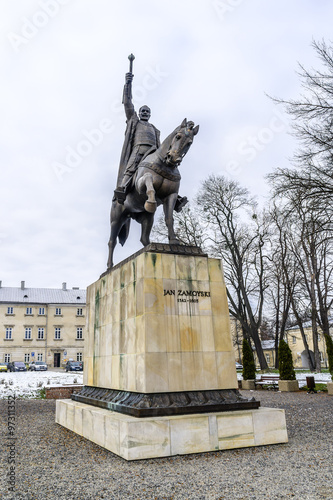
x=160 y=248
x=162 y=404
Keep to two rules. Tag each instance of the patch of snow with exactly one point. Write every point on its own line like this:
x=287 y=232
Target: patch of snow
x=301 y=377
x=28 y=384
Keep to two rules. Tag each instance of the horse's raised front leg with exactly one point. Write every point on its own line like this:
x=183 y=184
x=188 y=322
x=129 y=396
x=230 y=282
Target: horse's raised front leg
x=168 y=207
x=145 y=185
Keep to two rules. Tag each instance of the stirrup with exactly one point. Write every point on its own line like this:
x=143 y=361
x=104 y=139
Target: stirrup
x=120 y=195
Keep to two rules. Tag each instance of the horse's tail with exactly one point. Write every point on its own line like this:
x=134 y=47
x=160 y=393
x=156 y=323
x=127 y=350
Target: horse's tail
x=123 y=233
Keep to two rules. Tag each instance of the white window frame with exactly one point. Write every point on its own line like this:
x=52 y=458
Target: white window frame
x=79 y=356
x=57 y=333
x=58 y=311
x=10 y=310
x=41 y=311
x=28 y=311
x=40 y=333
x=79 y=332
x=9 y=332
x=79 y=311
x=7 y=358
x=28 y=332
x=27 y=358
x=40 y=357
x=294 y=339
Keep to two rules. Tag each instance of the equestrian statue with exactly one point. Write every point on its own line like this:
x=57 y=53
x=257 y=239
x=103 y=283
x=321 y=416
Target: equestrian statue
x=148 y=173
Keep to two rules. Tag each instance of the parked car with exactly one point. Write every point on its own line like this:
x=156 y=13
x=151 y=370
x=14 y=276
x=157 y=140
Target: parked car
x=17 y=366
x=74 y=366
x=3 y=367
x=38 y=366
x=239 y=366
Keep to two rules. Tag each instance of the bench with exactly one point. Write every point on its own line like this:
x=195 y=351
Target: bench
x=272 y=381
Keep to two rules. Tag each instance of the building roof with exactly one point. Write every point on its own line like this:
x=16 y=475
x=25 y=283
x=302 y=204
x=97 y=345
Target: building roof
x=24 y=295
x=308 y=324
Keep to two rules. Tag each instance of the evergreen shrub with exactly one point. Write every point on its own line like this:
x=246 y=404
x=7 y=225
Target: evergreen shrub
x=286 y=367
x=249 y=367
x=329 y=349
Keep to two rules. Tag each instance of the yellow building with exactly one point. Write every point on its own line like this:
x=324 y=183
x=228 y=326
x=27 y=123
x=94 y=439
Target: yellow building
x=295 y=342
x=42 y=324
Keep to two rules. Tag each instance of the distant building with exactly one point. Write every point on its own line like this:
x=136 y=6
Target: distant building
x=268 y=346
x=42 y=324
x=295 y=342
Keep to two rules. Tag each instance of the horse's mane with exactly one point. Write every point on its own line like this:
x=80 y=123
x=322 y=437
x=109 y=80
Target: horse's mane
x=164 y=147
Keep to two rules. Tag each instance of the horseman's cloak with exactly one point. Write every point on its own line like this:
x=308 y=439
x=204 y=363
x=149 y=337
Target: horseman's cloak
x=128 y=145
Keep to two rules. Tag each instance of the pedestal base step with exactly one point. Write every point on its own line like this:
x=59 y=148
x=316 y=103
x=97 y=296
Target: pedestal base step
x=152 y=437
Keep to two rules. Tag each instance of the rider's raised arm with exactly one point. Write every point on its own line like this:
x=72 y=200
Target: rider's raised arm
x=127 y=96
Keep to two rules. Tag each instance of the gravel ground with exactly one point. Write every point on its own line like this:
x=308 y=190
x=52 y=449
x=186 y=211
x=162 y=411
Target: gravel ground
x=52 y=462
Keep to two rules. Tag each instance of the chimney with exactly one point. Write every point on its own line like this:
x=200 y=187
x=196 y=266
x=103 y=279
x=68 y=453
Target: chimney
x=64 y=286
x=22 y=285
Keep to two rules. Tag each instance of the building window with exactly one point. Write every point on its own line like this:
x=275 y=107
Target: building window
x=39 y=357
x=268 y=358
x=29 y=311
x=58 y=311
x=27 y=333
x=9 y=332
x=321 y=357
x=79 y=332
x=41 y=311
x=57 y=333
x=294 y=340
x=40 y=334
x=79 y=312
x=7 y=358
x=27 y=358
x=79 y=356
x=10 y=310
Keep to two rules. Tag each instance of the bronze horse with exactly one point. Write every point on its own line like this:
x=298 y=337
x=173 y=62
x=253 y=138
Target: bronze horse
x=156 y=182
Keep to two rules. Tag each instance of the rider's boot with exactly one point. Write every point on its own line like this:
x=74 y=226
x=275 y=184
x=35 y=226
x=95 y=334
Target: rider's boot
x=121 y=191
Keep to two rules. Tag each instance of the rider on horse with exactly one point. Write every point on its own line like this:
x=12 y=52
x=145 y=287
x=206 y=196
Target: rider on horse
x=141 y=139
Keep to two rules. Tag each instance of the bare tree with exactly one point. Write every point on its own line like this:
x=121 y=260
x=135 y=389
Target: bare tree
x=225 y=205
x=190 y=229
x=312 y=120
x=288 y=288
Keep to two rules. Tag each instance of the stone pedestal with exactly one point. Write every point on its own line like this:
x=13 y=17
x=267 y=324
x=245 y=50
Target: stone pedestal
x=248 y=385
x=159 y=359
x=288 y=385
x=330 y=388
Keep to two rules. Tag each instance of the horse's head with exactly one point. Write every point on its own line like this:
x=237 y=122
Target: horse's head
x=180 y=143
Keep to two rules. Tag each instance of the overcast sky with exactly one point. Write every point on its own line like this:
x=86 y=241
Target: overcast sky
x=63 y=64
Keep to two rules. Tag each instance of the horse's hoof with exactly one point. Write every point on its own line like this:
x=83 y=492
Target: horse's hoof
x=150 y=206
